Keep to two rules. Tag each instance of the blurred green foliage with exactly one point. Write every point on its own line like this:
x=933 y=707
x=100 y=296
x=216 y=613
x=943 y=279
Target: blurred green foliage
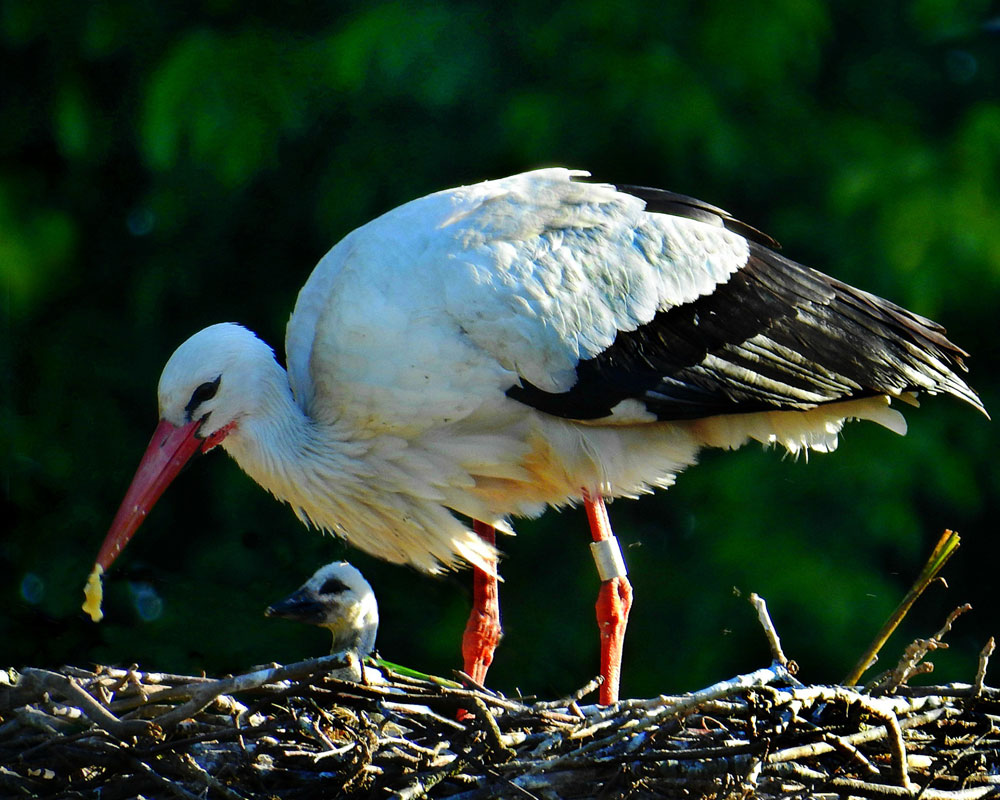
x=166 y=166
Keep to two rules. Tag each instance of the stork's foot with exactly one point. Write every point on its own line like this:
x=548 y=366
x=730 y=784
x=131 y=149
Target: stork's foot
x=482 y=632
x=614 y=601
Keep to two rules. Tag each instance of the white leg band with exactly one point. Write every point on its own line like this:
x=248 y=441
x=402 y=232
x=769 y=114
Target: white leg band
x=608 y=557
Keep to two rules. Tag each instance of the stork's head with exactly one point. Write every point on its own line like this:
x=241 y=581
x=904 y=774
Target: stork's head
x=210 y=384
x=212 y=380
x=338 y=598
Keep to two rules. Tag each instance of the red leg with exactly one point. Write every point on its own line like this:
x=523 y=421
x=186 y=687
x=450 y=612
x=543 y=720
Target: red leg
x=614 y=599
x=482 y=633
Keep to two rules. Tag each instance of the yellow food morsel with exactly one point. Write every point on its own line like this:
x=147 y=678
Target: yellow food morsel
x=94 y=593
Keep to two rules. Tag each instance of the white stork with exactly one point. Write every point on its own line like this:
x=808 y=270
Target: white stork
x=540 y=340
x=336 y=597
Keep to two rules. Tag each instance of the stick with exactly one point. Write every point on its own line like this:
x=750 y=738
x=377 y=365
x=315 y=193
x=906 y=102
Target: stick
x=206 y=693
x=769 y=630
x=984 y=660
x=943 y=550
x=98 y=714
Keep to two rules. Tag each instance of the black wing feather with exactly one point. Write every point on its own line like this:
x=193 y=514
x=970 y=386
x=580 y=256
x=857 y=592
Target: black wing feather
x=662 y=201
x=776 y=336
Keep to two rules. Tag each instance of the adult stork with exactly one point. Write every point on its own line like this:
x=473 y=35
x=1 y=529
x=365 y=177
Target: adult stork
x=540 y=340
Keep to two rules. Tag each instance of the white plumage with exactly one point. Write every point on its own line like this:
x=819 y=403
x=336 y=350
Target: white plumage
x=487 y=351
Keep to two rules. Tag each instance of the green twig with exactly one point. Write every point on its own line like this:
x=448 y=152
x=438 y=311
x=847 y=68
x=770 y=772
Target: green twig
x=945 y=548
x=406 y=672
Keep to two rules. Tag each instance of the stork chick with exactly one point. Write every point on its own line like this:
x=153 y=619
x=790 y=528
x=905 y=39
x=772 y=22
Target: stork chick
x=337 y=597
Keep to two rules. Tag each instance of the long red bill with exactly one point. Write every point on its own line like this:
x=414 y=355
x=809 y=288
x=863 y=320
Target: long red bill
x=170 y=449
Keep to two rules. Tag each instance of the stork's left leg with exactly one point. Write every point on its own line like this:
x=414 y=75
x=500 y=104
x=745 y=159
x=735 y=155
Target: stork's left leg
x=482 y=633
x=615 y=597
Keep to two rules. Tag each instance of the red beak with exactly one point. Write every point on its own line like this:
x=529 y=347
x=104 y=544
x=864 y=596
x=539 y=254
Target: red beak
x=169 y=450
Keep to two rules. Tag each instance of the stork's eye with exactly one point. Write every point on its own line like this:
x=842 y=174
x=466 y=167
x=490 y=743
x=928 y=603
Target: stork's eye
x=204 y=392
x=333 y=586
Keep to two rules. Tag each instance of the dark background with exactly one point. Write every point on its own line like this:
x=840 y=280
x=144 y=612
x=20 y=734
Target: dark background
x=164 y=166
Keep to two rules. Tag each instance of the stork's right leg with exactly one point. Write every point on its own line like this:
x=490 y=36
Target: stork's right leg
x=482 y=633
x=614 y=599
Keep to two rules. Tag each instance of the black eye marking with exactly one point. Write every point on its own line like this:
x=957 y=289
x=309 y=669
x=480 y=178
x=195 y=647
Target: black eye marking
x=204 y=392
x=333 y=586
